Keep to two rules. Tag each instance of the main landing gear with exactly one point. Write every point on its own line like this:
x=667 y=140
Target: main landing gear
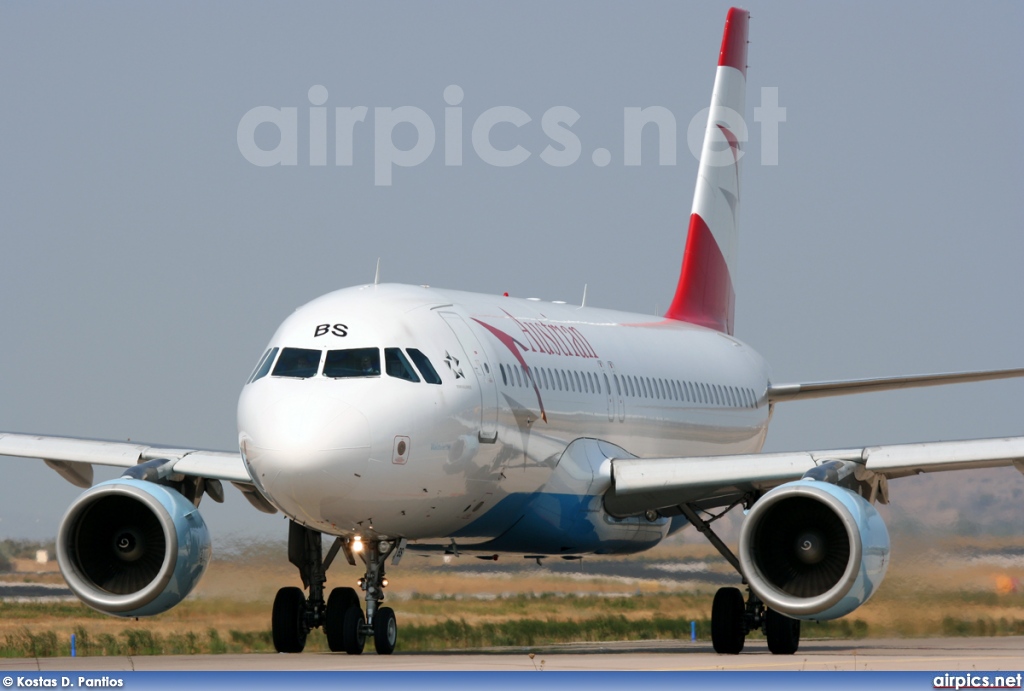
x=732 y=617
x=341 y=615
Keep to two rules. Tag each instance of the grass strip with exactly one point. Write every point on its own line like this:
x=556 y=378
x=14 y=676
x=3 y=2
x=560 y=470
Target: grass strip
x=447 y=635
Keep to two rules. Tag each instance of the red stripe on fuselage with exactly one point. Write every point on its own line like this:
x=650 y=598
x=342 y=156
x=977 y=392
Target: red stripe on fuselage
x=514 y=347
x=734 y=41
x=705 y=294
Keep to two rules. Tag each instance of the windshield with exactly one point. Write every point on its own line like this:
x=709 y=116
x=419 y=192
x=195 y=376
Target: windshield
x=300 y=363
x=354 y=362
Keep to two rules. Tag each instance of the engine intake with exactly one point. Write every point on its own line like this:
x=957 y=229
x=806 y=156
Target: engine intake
x=132 y=548
x=812 y=550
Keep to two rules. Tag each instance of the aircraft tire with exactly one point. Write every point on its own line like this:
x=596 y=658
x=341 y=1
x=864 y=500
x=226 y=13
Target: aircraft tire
x=353 y=638
x=385 y=631
x=339 y=602
x=727 y=629
x=287 y=621
x=783 y=633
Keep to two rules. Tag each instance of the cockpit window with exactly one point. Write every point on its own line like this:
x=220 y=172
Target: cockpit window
x=354 y=362
x=300 y=363
x=426 y=369
x=264 y=367
x=397 y=365
x=259 y=364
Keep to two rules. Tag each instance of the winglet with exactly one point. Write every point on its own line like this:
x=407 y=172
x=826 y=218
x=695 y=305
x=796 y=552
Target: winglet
x=704 y=294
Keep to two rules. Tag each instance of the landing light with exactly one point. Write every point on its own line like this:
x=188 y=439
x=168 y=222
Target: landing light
x=383 y=583
x=357 y=544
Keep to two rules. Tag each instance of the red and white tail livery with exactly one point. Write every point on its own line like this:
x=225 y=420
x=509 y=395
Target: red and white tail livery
x=705 y=294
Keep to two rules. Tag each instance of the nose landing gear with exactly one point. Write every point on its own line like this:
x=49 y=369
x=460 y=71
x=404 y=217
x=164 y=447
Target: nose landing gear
x=347 y=629
x=379 y=622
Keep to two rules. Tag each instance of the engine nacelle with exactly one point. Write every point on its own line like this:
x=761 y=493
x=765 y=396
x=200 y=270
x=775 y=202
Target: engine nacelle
x=132 y=548
x=812 y=550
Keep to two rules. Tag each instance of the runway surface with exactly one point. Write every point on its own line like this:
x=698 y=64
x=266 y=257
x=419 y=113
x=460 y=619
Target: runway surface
x=931 y=654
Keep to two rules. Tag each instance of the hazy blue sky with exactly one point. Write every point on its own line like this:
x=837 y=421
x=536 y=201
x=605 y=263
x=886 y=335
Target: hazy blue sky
x=145 y=262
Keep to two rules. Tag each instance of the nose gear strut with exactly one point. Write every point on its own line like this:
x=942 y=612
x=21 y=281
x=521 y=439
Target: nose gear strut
x=341 y=616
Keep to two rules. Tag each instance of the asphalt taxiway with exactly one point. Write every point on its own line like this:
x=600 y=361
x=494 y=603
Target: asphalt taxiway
x=929 y=654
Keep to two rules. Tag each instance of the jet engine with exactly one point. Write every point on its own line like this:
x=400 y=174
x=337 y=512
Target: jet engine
x=132 y=548
x=813 y=550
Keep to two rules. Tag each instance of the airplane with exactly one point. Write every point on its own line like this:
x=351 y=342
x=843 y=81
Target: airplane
x=392 y=418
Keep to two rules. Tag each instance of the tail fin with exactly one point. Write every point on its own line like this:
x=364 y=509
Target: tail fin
x=705 y=293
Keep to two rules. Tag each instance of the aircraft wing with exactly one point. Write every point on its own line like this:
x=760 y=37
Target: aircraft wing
x=74 y=458
x=646 y=484
x=797 y=392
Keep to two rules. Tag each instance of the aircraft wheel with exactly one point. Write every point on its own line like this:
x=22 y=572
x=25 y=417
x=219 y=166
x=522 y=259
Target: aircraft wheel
x=385 y=631
x=353 y=638
x=783 y=633
x=727 y=626
x=340 y=601
x=287 y=621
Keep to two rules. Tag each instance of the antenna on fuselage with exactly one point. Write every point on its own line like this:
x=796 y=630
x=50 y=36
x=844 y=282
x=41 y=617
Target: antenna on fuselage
x=376 y=276
x=584 y=303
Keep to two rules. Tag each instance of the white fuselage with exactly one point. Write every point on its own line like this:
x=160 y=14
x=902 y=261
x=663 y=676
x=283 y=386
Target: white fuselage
x=484 y=450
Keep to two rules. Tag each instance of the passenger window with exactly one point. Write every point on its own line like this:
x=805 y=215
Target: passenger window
x=430 y=374
x=265 y=364
x=579 y=386
x=544 y=377
x=299 y=363
x=607 y=384
x=397 y=366
x=353 y=362
x=504 y=379
x=519 y=381
x=618 y=387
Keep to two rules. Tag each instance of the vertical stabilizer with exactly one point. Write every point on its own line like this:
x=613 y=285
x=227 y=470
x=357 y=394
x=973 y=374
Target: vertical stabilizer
x=705 y=293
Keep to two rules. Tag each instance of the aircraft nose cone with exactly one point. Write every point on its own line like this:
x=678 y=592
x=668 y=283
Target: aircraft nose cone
x=302 y=446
